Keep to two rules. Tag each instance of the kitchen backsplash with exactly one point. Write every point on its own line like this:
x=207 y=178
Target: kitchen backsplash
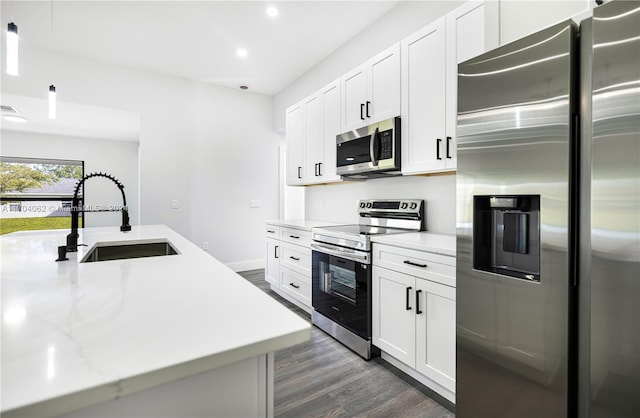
x=337 y=202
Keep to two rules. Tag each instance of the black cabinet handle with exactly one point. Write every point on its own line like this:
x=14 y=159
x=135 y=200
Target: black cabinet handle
x=275 y=251
x=448 y=147
x=418 y=311
x=299 y=172
x=294 y=285
x=294 y=258
x=368 y=103
x=320 y=169
x=411 y=263
x=271 y=231
x=294 y=236
x=438 y=148
x=408 y=294
x=362 y=111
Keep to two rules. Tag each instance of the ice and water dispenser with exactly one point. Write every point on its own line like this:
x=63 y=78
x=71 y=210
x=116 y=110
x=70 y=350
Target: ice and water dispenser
x=506 y=235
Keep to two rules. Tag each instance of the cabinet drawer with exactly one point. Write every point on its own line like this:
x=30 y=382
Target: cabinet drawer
x=434 y=267
x=296 y=257
x=296 y=236
x=272 y=231
x=296 y=285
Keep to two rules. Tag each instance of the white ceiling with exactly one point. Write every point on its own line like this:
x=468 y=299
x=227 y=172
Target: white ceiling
x=197 y=40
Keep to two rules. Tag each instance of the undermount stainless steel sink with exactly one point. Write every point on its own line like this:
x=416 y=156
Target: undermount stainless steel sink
x=105 y=251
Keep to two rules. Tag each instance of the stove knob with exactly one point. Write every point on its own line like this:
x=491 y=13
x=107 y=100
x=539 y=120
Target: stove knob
x=369 y=205
x=403 y=205
x=414 y=205
x=362 y=204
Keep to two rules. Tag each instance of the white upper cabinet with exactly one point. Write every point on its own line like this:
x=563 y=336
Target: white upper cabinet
x=430 y=60
x=312 y=126
x=295 y=144
x=313 y=137
x=371 y=92
x=423 y=99
x=331 y=127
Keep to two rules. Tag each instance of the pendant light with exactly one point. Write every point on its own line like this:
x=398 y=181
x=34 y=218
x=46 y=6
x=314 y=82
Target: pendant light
x=52 y=102
x=12 y=49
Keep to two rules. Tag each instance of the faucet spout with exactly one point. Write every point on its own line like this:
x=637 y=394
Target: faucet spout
x=72 y=238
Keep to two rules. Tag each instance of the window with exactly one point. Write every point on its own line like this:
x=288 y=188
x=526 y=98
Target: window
x=36 y=193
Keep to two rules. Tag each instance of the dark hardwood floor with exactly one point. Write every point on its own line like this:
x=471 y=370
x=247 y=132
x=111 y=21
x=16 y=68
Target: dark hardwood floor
x=322 y=378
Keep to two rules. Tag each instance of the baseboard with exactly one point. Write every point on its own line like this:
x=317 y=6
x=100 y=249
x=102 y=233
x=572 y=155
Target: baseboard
x=246 y=265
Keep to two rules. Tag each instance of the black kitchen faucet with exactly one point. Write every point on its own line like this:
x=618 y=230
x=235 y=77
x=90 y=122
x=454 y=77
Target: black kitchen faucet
x=72 y=238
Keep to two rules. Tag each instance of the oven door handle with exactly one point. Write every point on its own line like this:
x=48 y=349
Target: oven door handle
x=346 y=253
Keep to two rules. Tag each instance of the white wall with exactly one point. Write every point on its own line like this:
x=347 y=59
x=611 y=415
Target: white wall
x=338 y=202
x=211 y=148
x=98 y=156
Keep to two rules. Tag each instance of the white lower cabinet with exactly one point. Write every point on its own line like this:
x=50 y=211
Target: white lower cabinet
x=288 y=263
x=296 y=285
x=272 y=270
x=272 y=265
x=414 y=321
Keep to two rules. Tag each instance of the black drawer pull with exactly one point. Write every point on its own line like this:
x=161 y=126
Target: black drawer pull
x=294 y=285
x=418 y=311
x=271 y=231
x=294 y=258
x=294 y=236
x=411 y=263
x=408 y=293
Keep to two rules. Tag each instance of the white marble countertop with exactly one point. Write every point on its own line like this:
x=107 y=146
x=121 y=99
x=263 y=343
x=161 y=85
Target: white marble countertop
x=76 y=334
x=421 y=241
x=304 y=224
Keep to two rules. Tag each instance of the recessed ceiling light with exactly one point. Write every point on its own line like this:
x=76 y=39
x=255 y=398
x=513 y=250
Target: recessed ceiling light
x=241 y=52
x=272 y=11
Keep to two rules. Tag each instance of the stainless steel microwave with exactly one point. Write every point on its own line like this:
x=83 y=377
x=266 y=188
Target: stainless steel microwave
x=370 y=151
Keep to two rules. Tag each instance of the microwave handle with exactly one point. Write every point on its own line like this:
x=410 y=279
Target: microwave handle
x=373 y=147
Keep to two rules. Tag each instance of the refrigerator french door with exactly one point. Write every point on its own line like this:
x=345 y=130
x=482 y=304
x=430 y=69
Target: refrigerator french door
x=548 y=223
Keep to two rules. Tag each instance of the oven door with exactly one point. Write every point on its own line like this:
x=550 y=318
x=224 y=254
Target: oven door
x=341 y=288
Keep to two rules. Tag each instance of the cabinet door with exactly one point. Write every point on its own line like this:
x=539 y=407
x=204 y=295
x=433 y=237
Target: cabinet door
x=313 y=138
x=423 y=99
x=272 y=270
x=383 y=86
x=295 y=144
x=354 y=92
x=466 y=38
x=436 y=332
x=394 y=317
x=331 y=127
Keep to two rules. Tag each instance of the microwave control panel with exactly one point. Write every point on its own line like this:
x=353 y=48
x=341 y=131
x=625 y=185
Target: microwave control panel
x=386 y=145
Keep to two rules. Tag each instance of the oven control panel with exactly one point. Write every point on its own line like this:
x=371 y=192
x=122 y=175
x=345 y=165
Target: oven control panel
x=407 y=205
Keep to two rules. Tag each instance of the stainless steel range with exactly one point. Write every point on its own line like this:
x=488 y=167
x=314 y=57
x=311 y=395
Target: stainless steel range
x=341 y=269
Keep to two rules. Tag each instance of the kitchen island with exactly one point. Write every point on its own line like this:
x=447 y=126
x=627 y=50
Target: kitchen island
x=173 y=335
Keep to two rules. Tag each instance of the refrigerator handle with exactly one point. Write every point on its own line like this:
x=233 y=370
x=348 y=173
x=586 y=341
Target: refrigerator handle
x=574 y=180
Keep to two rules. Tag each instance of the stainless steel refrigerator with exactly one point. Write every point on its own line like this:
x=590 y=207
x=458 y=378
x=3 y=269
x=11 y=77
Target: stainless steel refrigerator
x=548 y=223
